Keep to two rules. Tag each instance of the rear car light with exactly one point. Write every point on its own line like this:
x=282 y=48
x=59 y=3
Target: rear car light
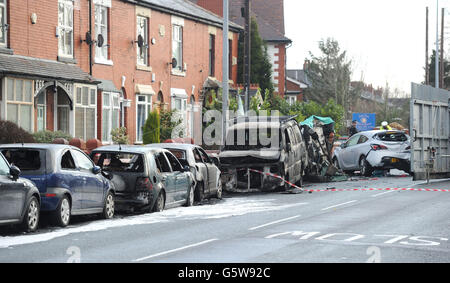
x=143 y=184
x=408 y=148
x=378 y=147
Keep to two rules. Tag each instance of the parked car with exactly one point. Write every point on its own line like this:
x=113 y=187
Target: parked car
x=203 y=167
x=247 y=148
x=68 y=181
x=145 y=178
x=19 y=198
x=374 y=150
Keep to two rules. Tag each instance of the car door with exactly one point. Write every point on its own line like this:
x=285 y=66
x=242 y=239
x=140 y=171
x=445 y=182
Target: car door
x=12 y=194
x=347 y=154
x=297 y=161
x=202 y=169
x=289 y=161
x=212 y=170
x=93 y=189
x=166 y=177
x=70 y=178
x=182 y=182
x=361 y=148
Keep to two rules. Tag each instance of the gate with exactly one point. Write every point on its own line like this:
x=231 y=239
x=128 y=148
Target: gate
x=430 y=116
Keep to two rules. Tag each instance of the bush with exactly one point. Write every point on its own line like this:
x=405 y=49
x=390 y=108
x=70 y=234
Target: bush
x=119 y=136
x=49 y=136
x=167 y=124
x=152 y=128
x=12 y=133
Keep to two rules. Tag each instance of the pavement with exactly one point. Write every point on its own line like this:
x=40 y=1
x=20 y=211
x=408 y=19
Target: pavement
x=350 y=226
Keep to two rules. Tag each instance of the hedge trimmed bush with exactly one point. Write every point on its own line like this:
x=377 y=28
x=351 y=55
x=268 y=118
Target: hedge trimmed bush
x=49 y=136
x=12 y=133
x=151 y=128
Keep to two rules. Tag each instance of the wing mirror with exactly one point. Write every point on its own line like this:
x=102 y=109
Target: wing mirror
x=14 y=171
x=186 y=168
x=343 y=145
x=96 y=170
x=215 y=160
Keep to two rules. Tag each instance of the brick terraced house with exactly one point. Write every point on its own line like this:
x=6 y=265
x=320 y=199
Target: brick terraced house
x=85 y=67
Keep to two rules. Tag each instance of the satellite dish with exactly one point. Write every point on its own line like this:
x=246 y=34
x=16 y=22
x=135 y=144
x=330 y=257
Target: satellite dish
x=88 y=38
x=100 y=40
x=174 y=63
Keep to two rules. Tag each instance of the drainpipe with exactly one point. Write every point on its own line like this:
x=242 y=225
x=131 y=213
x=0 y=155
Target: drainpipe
x=90 y=32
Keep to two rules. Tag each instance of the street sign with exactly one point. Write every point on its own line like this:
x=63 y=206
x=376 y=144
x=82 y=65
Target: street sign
x=364 y=121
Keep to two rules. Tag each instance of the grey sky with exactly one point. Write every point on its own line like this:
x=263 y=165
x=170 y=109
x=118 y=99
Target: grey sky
x=385 y=38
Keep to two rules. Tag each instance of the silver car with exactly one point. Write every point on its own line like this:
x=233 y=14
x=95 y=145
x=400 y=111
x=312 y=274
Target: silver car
x=374 y=150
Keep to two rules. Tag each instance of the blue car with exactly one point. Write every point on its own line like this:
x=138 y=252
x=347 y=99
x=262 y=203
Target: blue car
x=68 y=181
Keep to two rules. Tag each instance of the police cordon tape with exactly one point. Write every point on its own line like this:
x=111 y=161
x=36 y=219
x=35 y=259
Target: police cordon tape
x=347 y=190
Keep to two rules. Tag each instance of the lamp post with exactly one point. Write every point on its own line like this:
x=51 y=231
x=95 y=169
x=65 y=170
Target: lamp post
x=225 y=70
x=437 y=46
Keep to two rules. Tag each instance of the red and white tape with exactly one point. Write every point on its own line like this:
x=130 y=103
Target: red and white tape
x=349 y=190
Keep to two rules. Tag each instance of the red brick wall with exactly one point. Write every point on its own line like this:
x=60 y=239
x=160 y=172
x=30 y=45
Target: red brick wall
x=214 y=6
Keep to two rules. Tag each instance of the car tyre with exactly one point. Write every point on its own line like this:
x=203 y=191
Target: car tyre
x=30 y=221
x=160 y=203
x=219 y=192
x=190 y=198
x=109 y=206
x=61 y=216
x=199 y=192
x=364 y=167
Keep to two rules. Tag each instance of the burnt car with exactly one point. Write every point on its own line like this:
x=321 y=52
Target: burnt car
x=268 y=145
x=68 y=181
x=19 y=198
x=203 y=167
x=146 y=179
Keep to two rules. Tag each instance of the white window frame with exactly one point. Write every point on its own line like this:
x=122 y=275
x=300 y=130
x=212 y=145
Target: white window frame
x=142 y=29
x=109 y=105
x=291 y=99
x=4 y=23
x=63 y=28
x=19 y=102
x=148 y=107
x=177 y=39
x=43 y=107
x=82 y=104
x=181 y=113
x=102 y=55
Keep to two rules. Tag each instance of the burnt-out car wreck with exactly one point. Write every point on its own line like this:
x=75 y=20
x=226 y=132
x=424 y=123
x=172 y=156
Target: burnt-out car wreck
x=261 y=153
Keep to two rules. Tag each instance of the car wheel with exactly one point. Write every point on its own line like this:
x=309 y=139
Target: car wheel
x=364 y=167
x=190 y=199
x=199 y=192
x=219 y=190
x=108 y=209
x=160 y=203
x=61 y=216
x=31 y=219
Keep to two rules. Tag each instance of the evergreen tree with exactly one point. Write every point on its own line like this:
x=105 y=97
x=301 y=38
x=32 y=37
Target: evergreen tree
x=152 y=128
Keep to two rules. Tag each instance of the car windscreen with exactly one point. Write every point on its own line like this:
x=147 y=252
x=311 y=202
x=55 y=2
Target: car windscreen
x=253 y=138
x=392 y=137
x=119 y=162
x=29 y=161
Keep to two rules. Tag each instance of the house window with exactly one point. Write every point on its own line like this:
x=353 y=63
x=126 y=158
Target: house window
x=142 y=31
x=3 y=23
x=41 y=109
x=110 y=115
x=19 y=107
x=144 y=107
x=177 y=46
x=101 y=27
x=212 y=54
x=180 y=105
x=65 y=28
x=291 y=99
x=85 y=113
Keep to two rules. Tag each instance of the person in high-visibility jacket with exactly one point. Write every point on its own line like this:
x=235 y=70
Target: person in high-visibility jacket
x=385 y=126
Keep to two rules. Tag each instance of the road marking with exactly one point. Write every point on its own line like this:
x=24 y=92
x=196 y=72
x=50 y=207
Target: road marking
x=175 y=250
x=333 y=206
x=380 y=194
x=274 y=222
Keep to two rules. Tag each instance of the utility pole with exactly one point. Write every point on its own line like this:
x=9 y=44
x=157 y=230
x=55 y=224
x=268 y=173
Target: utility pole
x=436 y=75
x=225 y=71
x=441 y=77
x=427 y=70
x=247 y=54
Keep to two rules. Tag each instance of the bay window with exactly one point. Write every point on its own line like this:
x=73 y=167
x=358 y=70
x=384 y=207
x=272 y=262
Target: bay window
x=85 y=113
x=19 y=104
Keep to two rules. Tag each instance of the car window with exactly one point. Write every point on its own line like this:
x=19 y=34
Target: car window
x=392 y=137
x=120 y=162
x=363 y=139
x=197 y=157
x=162 y=164
x=176 y=166
x=297 y=134
x=25 y=159
x=353 y=141
x=180 y=154
x=4 y=168
x=204 y=156
x=83 y=162
x=67 y=162
x=286 y=137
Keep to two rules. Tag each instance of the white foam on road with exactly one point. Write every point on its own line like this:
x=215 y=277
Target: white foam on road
x=228 y=208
